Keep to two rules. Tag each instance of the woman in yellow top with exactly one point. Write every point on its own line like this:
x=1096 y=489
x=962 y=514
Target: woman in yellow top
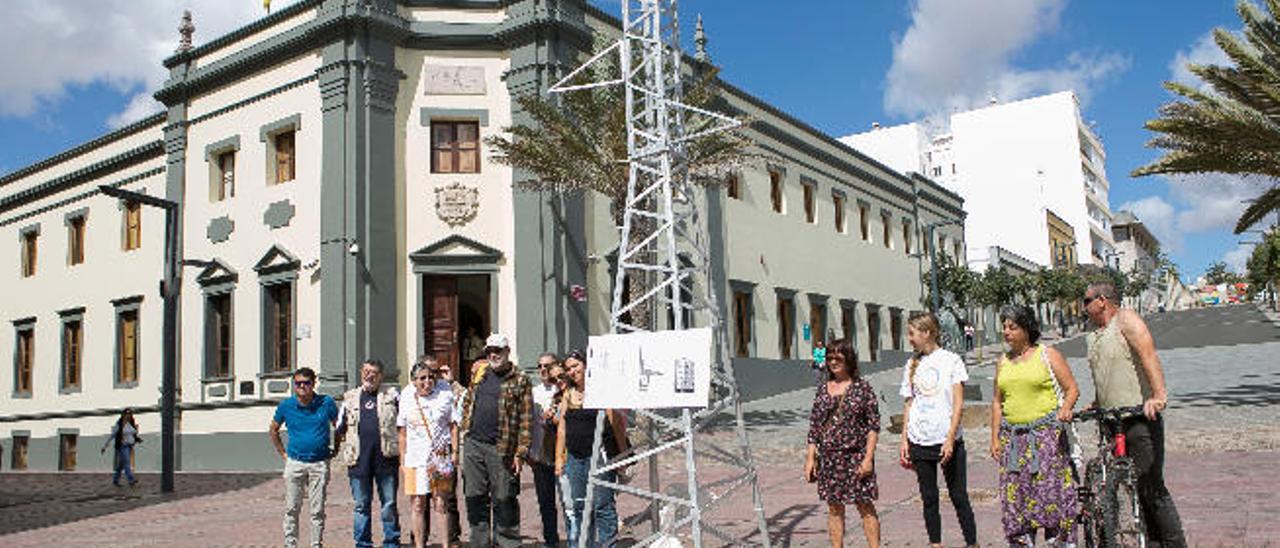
x=1030 y=408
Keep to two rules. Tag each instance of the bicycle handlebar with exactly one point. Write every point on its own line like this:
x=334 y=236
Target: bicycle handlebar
x=1099 y=413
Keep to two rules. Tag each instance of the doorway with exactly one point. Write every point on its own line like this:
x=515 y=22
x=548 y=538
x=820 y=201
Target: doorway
x=455 y=320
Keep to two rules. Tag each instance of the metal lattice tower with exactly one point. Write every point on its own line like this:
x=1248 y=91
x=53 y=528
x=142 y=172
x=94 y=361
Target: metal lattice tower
x=664 y=246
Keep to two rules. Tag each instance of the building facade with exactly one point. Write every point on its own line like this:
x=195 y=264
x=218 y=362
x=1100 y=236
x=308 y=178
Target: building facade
x=339 y=203
x=1032 y=174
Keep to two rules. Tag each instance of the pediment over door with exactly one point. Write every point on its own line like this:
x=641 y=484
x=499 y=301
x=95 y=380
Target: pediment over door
x=276 y=260
x=455 y=251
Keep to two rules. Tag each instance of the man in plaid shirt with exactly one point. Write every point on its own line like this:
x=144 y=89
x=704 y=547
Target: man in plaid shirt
x=496 y=418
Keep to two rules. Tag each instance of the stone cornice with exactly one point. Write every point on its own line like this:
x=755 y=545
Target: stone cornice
x=118 y=134
x=240 y=33
x=124 y=160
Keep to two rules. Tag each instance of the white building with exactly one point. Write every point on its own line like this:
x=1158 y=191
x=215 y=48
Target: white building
x=329 y=164
x=1031 y=172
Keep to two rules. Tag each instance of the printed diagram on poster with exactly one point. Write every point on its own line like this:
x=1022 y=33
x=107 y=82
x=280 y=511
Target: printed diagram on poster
x=659 y=369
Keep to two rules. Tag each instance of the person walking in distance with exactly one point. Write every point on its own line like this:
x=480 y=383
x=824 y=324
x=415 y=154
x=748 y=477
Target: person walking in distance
x=843 y=428
x=428 y=426
x=1031 y=406
x=1127 y=372
x=123 y=437
x=542 y=446
x=309 y=419
x=496 y=418
x=368 y=446
x=933 y=385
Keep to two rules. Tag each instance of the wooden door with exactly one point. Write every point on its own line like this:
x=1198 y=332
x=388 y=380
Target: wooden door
x=440 y=321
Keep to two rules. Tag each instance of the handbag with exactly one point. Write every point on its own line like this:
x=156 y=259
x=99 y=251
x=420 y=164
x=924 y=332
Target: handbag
x=826 y=427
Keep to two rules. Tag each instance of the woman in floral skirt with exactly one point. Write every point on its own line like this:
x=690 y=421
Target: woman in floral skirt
x=843 y=428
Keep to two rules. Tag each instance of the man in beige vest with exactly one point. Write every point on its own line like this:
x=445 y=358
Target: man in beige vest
x=1127 y=372
x=368 y=444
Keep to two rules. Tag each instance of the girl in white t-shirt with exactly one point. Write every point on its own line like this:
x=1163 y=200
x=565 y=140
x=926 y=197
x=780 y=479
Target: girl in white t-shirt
x=933 y=386
x=428 y=421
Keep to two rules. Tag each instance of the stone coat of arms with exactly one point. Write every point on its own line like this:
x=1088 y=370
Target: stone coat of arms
x=456 y=204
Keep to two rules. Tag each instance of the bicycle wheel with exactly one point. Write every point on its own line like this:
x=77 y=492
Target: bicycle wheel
x=1090 y=520
x=1122 y=514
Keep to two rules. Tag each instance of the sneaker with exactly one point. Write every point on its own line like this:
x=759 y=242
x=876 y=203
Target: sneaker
x=133 y=483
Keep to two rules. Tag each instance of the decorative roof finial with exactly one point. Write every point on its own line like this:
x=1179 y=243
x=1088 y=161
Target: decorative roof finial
x=186 y=29
x=700 y=38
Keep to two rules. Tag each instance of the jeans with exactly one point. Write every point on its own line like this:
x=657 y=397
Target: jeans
x=386 y=479
x=313 y=477
x=925 y=460
x=124 y=462
x=1145 y=443
x=544 y=485
x=490 y=490
x=604 y=516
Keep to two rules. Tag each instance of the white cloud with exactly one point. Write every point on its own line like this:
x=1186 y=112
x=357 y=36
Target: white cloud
x=1159 y=217
x=1204 y=52
x=1238 y=257
x=957 y=53
x=57 y=44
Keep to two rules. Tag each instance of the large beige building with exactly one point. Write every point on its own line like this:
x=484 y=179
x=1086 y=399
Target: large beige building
x=329 y=166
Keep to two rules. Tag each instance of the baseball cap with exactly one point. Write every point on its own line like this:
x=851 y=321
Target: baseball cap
x=496 y=340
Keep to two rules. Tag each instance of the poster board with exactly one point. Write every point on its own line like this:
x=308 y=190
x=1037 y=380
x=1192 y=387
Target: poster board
x=649 y=370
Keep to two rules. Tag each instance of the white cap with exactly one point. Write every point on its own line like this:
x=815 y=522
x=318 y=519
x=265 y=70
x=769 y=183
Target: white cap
x=497 y=340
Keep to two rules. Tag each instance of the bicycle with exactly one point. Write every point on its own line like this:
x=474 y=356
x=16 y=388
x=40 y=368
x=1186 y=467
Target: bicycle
x=1110 y=514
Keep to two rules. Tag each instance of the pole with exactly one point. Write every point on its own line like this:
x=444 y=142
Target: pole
x=172 y=279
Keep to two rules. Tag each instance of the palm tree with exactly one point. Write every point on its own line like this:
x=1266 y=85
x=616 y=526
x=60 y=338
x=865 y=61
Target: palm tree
x=1235 y=128
x=577 y=142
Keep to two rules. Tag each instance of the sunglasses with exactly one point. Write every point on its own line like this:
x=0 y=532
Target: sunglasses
x=1088 y=300
x=303 y=383
x=422 y=378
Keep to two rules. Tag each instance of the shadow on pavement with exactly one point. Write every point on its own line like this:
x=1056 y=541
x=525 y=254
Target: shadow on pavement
x=1240 y=395
x=783 y=524
x=37 y=500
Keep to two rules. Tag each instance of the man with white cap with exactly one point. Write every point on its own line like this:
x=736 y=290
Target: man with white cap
x=496 y=419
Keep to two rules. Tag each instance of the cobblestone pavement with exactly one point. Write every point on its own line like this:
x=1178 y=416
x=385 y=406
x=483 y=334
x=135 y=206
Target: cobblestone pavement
x=1223 y=441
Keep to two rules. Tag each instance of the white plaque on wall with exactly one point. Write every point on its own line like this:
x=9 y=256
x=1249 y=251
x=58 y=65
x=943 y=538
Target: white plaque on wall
x=456 y=204
x=453 y=80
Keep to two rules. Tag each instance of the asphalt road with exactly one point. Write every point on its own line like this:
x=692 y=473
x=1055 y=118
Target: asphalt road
x=1200 y=327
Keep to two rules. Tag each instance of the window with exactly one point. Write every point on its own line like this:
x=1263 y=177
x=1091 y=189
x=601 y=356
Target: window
x=224 y=182
x=284 y=156
x=873 y=332
x=895 y=328
x=775 y=191
x=75 y=240
x=132 y=226
x=742 y=323
x=942 y=242
x=837 y=200
x=455 y=147
x=936 y=171
x=888 y=237
x=817 y=322
x=959 y=253
x=18 y=459
x=786 y=329
x=686 y=297
x=864 y=222
x=906 y=236
x=72 y=347
x=67 y=451
x=278 y=327
x=809 y=213
x=218 y=336
x=733 y=186
x=846 y=322
x=24 y=359
x=925 y=247
x=127 y=349
x=29 y=249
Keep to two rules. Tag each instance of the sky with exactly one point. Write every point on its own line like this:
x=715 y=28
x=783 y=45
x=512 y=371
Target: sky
x=840 y=65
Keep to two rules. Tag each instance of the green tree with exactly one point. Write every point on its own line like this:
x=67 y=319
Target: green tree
x=577 y=142
x=957 y=286
x=1217 y=273
x=1235 y=128
x=998 y=287
x=1264 y=265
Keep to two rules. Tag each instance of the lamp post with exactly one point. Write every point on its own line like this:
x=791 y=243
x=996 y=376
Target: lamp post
x=170 y=290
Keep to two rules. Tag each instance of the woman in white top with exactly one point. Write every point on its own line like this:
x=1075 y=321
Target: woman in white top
x=933 y=386
x=428 y=424
x=124 y=435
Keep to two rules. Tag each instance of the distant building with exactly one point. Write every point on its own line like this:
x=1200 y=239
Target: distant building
x=1137 y=251
x=1031 y=172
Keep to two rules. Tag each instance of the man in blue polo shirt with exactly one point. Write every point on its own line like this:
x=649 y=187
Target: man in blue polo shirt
x=309 y=419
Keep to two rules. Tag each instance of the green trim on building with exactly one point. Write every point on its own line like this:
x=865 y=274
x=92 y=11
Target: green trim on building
x=111 y=137
x=93 y=171
x=480 y=115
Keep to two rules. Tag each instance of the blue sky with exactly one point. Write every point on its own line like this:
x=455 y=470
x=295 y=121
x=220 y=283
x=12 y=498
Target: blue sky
x=837 y=64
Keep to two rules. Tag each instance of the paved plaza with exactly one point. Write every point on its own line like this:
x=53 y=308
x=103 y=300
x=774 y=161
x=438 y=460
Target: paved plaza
x=1223 y=443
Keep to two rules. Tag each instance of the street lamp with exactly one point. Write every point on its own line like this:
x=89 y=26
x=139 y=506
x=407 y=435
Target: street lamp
x=170 y=291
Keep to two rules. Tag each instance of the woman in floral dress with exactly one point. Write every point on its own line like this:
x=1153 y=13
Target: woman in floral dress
x=843 y=429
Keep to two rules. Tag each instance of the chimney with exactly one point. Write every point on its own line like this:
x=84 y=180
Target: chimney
x=875 y=125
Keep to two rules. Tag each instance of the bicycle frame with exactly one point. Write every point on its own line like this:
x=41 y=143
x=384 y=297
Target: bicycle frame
x=1107 y=473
